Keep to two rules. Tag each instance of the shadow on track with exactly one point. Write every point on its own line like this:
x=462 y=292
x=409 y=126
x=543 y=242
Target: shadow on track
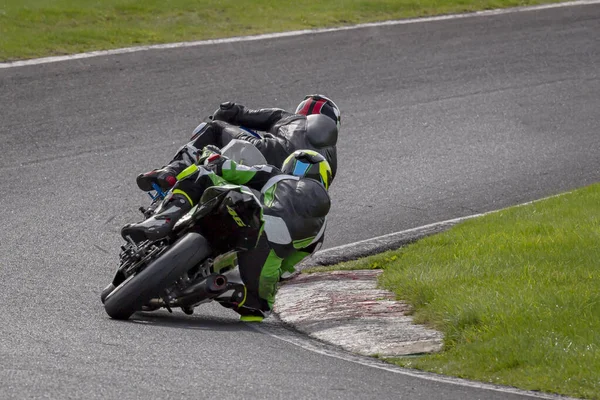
x=181 y=321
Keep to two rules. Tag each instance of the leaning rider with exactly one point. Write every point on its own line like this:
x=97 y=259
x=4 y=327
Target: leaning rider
x=314 y=125
x=295 y=204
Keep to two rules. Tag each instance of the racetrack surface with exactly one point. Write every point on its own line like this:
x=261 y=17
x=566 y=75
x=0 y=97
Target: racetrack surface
x=440 y=120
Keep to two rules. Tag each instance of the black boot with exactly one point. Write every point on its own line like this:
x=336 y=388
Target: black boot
x=159 y=225
x=165 y=177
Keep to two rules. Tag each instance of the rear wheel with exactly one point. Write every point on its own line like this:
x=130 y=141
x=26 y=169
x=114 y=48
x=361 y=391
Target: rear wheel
x=137 y=290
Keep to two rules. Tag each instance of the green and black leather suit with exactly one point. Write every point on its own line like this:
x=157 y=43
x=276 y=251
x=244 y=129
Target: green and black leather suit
x=294 y=212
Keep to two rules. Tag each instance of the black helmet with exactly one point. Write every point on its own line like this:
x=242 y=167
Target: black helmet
x=319 y=104
x=308 y=164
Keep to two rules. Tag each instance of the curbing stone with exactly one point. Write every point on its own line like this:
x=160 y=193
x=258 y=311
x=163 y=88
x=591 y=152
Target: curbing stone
x=346 y=308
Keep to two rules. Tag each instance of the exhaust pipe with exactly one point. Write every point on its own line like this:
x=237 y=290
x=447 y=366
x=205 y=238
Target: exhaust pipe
x=209 y=288
x=217 y=284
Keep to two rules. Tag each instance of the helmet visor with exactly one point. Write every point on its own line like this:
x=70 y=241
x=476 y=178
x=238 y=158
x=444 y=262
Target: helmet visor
x=301 y=168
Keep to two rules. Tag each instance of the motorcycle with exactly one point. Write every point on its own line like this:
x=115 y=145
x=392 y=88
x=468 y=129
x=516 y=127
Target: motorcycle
x=197 y=262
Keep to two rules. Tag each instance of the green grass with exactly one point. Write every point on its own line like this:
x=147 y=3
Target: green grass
x=516 y=293
x=36 y=28
x=376 y=261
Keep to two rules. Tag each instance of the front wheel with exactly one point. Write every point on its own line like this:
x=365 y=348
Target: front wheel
x=106 y=291
x=138 y=290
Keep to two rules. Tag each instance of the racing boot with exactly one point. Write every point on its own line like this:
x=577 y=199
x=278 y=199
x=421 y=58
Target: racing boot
x=248 y=314
x=164 y=177
x=253 y=309
x=160 y=224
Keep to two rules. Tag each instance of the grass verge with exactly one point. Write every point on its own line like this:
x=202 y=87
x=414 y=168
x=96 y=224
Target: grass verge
x=516 y=294
x=38 y=28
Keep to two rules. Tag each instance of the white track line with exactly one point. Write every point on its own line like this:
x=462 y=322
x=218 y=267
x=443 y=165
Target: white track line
x=46 y=60
x=329 y=351
x=401 y=233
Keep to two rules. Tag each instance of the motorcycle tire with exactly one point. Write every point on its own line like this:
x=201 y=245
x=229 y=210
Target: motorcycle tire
x=137 y=290
x=106 y=291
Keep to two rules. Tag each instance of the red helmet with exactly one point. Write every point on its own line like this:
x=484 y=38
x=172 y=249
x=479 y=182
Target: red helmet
x=318 y=104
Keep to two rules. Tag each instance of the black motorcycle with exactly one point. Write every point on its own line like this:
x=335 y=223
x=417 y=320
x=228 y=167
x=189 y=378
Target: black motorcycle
x=196 y=263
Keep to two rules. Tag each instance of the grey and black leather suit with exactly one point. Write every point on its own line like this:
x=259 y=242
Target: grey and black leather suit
x=284 y=133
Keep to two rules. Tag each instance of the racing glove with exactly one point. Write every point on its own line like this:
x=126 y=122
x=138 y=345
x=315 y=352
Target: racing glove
x=227 y=112
x=208 y=151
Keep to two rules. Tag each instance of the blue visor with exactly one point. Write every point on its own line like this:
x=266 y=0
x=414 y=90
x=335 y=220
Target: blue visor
x=301 y=168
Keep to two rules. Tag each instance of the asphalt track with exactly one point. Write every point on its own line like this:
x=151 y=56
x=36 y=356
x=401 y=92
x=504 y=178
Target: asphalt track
x=440 y=120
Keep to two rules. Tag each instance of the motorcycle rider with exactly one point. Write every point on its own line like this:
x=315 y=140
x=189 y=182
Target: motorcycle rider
x=295 y=203
x=314 y=125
